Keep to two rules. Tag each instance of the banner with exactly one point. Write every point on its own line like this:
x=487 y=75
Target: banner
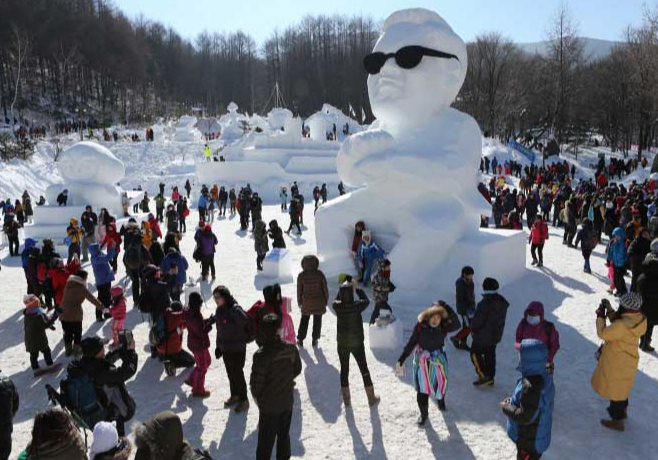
x=522 y=149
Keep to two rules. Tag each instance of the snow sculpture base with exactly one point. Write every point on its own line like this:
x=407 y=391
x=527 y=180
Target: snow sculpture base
x=51 y=222
x=277 y=264
x=188 y=289
x=387 y=337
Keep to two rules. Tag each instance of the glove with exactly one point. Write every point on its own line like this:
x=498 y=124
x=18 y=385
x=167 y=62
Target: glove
x=399 y=370
x=600 y=312
x=550 y=368
x=218 y=353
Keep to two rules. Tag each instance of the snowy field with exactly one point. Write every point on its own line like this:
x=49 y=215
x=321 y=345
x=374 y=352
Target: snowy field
x=473 y=426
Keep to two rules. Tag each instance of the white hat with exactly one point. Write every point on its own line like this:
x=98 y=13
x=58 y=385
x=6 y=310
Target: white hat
x=106 y=438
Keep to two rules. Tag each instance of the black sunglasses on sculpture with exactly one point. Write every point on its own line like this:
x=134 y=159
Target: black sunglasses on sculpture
x=407 y=57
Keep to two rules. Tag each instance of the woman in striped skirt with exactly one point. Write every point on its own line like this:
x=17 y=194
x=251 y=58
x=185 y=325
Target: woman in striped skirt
x=430 y=372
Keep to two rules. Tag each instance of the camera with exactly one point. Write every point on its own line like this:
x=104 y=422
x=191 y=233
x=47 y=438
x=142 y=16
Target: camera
x=125 y=337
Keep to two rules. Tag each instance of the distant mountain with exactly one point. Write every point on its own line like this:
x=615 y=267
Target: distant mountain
x=595 y=48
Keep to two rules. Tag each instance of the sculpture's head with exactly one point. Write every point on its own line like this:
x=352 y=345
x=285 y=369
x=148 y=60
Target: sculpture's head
x=90 y=162
x=426 y=73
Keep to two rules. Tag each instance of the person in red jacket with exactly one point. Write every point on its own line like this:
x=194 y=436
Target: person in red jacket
x=155 y=226
x=170 y=345
x=112 y=239
x=59 y=275
x=198 y=343
x=538 y=236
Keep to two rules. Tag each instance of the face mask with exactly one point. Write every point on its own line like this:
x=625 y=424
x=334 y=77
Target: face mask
x=533 y=320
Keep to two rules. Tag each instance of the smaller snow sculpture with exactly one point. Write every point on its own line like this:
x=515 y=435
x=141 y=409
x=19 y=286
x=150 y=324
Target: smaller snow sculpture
x=90 y=172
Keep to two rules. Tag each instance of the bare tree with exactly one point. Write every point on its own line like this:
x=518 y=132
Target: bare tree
x=19 y=48
x=565 y=57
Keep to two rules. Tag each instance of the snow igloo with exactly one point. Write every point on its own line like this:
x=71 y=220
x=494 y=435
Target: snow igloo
x=417 y=169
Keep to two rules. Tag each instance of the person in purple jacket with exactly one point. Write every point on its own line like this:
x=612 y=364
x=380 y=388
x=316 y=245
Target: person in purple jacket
x=198 y=343
x=534 y=326
x=206 y=240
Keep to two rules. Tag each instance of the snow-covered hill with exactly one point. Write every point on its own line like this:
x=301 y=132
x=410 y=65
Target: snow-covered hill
x=593 y=48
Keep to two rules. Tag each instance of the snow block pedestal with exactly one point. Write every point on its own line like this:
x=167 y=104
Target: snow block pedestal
x=388 y=337
x=188 y=289
x=277 y=264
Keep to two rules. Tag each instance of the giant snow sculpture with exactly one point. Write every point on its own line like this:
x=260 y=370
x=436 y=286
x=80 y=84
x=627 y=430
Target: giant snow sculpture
x=417 y=166
x=90 y=173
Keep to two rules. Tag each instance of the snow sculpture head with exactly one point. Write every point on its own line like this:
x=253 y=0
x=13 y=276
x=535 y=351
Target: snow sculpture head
x=91 y=163
x=397 y=93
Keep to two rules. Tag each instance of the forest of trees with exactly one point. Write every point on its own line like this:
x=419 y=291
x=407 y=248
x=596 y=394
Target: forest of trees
x=63 y=57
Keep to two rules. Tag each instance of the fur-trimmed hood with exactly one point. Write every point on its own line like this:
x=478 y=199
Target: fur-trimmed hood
x=431 y=311
x=161 y=438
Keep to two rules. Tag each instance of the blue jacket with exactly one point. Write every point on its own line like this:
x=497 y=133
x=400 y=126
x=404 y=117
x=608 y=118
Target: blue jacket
x=203 y=202
x=28 y=245
x=180 y=261
x=617 y=252
x=530 y=414
x=100 y=263
x=370 y=252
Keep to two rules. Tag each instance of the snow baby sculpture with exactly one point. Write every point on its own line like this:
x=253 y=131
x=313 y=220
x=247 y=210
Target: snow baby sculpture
x=90 y=172
x=417 y=163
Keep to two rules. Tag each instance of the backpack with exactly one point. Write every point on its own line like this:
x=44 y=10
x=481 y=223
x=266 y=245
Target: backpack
x=79 y=396
x=133 y=257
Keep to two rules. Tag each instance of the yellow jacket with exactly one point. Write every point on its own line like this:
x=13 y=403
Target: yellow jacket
x=73 y=231
x=615 y=373
x=207 y=151
x=147 y=234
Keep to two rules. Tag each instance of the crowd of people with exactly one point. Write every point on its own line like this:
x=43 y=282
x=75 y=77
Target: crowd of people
x=93 y=396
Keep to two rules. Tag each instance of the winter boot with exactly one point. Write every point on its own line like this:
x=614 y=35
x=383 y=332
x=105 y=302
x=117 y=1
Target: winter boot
x=232 y=401
x=617 y=425
x=347 y=398
x=484 y=382
x=373 y=399
x=314 y=343
x=423 y=416
x=242 y=406
x=442 y=404
x=300 y=343
x=68 y=349
x=77 y=351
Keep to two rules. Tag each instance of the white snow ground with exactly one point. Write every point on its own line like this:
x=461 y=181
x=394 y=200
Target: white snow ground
x=472 y=428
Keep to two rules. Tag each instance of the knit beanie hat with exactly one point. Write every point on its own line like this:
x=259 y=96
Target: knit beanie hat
x=106 y=438
x=272 y=295
x=631 y=301
x=490 y=285
x=30 y=300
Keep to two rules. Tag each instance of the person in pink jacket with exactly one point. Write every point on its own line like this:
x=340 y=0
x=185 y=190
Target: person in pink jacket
x=538 y=236
x=534 y=326
x=118 y=312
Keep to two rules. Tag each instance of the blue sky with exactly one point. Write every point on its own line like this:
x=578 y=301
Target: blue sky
x=521 y=20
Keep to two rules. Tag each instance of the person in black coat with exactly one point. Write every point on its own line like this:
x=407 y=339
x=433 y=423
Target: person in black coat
x=109 y=380
x=275 y=366
x=276 y=233
x=430 y=360
x=465 y=293
x=487 y=328
x=647 y=287
x=234 y=331
x=349 y=335
x=9 y=402
x=637 y=251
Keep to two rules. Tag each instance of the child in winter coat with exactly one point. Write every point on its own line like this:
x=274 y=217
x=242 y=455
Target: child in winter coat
x=261 y=243
x=369 y=253
x=36 y=322
x=74 y=234
x=104 y=276
x=312 y=298
x=359 y=228
x=283 y=196
x=112 y=240
x=381 y=288
x=530 y=409
x=276 y=233
x=534 y=326
x=147 y=234
x=487 y=328
x=170 y=338
x=198 y=343
x=465 y=294
x=538 y=236
x=588 y=239
x=118 y=312
x=430 y=359
x=617 y=258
